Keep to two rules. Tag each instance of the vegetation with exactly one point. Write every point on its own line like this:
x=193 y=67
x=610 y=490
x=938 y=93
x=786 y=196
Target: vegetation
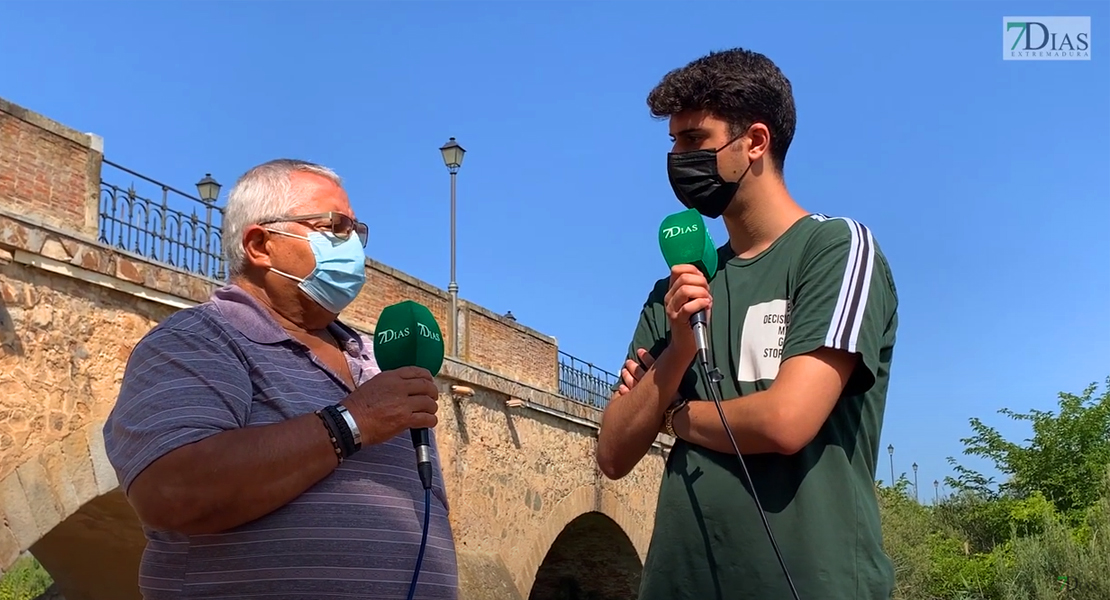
x=1043 y=533
x=26 y=580
x=987 y=541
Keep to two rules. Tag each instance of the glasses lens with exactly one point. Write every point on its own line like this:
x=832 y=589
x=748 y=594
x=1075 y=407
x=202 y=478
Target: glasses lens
x=342 y=226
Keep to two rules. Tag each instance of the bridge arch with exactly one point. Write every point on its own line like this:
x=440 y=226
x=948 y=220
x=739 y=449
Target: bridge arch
x=65 y=507
x=592 y=558
x=582 y=517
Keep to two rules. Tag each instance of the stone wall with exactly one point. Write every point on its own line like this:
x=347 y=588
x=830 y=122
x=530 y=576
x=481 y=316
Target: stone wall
x=518 y=475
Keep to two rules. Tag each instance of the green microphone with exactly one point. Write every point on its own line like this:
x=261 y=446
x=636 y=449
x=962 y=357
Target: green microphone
x=684 y=240
x=407 y=335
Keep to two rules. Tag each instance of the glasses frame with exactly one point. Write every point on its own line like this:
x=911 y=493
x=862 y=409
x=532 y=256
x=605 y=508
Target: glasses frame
x=360 y=228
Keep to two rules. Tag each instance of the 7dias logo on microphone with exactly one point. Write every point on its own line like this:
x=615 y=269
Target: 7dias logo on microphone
x=389 y=335
x=670 y=232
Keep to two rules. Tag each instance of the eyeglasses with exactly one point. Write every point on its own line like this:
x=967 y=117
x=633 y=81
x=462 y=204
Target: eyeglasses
x=340 y=224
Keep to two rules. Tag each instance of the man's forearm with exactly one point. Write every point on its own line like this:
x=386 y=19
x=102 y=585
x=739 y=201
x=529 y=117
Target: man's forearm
x=753 y=420
x=631 y=422
x=233 y=477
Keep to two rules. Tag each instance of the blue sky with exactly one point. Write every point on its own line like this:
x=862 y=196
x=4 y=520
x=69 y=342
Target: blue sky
x=987 y=182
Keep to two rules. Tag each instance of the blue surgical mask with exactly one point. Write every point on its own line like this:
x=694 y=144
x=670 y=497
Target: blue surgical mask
x=340 y=270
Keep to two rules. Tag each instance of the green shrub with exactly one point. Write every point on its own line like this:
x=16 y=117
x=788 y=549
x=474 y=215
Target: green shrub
x=26 y=580
x=1080 y=553
x=1016 y=540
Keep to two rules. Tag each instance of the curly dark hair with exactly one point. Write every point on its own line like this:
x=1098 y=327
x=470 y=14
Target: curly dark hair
x=738 y=86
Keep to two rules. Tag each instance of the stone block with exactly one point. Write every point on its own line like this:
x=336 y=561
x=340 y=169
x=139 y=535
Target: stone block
x=106 y=479
x=19 y=516
x=79 y=467
x=128 y=270
x=52 y=248
x=9 y=546
x=93 y=259
x=40 y=495
x=58 y=470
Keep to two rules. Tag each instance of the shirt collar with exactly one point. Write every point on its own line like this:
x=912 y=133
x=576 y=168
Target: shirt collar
x=246 y=314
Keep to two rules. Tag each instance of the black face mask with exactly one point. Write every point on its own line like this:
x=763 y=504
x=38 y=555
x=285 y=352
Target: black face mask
x=697 y=182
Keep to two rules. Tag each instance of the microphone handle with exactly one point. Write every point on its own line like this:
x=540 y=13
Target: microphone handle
x=699 y=322
x=421 y=441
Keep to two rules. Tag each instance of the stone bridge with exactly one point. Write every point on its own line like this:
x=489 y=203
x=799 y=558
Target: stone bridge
x=87 y=267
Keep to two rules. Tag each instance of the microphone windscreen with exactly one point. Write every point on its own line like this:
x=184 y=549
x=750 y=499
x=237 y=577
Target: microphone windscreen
x=407 y=335
x=684 y=240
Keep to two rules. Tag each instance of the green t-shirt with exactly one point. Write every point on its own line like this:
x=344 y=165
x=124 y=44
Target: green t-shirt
x=824 y=282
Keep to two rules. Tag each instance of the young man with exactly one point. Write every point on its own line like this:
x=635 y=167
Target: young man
x=802 y=317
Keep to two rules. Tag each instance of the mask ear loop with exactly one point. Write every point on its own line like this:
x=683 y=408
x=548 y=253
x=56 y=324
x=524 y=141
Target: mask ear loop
x=730 y=142
x=286 y=233
x=750 y=163
x=742 y=175
x=292 y=235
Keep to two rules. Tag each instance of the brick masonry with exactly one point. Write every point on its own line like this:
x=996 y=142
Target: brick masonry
x=48 y=169
x=71 y=309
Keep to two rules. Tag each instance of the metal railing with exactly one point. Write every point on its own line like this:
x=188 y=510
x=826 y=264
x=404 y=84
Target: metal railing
x=181 y=230
x=583 y=382
x=167 y=225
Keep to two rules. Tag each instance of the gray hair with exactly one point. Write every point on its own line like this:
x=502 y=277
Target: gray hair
x=263 y=193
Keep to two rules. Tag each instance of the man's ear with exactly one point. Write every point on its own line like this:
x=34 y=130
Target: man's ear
x=760 y=143
x=257 y=247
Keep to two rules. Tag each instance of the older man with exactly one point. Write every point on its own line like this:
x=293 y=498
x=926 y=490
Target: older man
x=234 y=436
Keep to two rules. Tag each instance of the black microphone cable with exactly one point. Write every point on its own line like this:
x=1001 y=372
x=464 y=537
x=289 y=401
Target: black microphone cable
x=713 y=381
x=420 y=440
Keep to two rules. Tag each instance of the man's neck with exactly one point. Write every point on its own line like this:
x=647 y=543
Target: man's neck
x=755 y=224
x=290 y=313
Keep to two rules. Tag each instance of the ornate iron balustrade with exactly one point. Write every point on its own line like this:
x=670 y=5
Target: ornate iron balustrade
x=174 y=228
x=181 y=230
x=583 y=382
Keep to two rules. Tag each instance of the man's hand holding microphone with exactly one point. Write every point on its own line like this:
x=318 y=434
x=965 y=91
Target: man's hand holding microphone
x=408 y=347
x=392 y=402
x=648 y=387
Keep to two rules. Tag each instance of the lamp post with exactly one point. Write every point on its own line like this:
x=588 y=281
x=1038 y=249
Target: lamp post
x=208 y=188
x=452 y=157
x=936 y=492
x=890 y=451
x=915 y=499
x=209 y=191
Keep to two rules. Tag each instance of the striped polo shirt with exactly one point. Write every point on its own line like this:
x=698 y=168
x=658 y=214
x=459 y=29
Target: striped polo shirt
x=355 y=534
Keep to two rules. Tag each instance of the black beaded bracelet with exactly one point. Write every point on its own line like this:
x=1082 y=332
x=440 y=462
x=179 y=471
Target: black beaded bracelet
x=332 y=435
x=344 y=434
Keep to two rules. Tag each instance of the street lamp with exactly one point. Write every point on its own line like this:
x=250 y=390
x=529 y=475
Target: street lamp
x=209 y=191
x=208 y=188
x=915 y=499
x=890 y=451
x=453 y=157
